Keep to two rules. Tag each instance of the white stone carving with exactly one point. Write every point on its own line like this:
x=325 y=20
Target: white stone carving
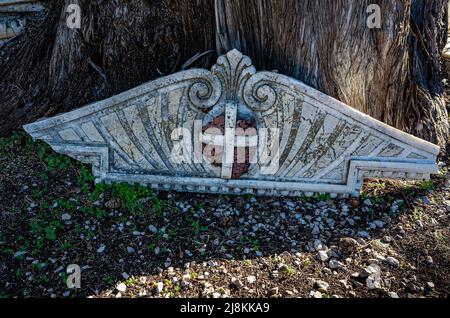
x=322 y=145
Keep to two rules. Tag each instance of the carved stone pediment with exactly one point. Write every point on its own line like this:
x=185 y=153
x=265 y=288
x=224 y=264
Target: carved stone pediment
x=305 y=141
x=14 y=15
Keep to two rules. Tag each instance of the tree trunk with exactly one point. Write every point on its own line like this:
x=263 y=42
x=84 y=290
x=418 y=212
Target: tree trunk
x=52 y=69
x=394 y=73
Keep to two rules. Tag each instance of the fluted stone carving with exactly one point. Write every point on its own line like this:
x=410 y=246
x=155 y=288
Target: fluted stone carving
x=321 y=144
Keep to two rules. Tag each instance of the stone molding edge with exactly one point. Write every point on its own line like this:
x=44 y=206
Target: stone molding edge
x=359 y=169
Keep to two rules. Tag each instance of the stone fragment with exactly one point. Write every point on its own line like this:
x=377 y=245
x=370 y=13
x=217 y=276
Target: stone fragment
x=321 y=286
x=393 y=261
x=348 y=245
x=101 y=249
x=335 y=264
x=322 y=256
x=393 y=295
x=66 y=217
x=251 y=279
x=121 y=287
x=152 y=229
x=133 y=133
x=113 y=204
x=315 y=294
x=159 y=287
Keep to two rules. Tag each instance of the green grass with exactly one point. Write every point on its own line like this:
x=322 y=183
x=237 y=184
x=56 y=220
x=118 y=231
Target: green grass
x=193 y=275
x=197 y=227
x=291 y=271
x=427 y=185
x=95 y=212
x=84 y=178
x=131 y=282
x=255 y=244
x=129 y=195
x=107 y=279
x=321 y=197
x=52 y=160
x=416 y=214
x=307 y=262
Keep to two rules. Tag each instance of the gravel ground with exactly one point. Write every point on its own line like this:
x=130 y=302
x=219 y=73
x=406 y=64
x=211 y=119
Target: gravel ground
x=132 y=242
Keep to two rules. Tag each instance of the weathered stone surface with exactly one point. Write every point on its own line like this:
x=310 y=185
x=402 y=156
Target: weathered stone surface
x=14 y=15
x=11 y=27
x=20 y=6
x=307 y=142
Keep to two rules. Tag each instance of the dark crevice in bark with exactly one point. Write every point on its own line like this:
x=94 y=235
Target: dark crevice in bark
x=425 y=113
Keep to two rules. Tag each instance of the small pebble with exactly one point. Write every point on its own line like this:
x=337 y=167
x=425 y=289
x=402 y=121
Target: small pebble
x=121 y=287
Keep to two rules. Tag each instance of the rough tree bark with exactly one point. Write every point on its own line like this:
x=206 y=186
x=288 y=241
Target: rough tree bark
x=121 y=44
x=394 y=74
